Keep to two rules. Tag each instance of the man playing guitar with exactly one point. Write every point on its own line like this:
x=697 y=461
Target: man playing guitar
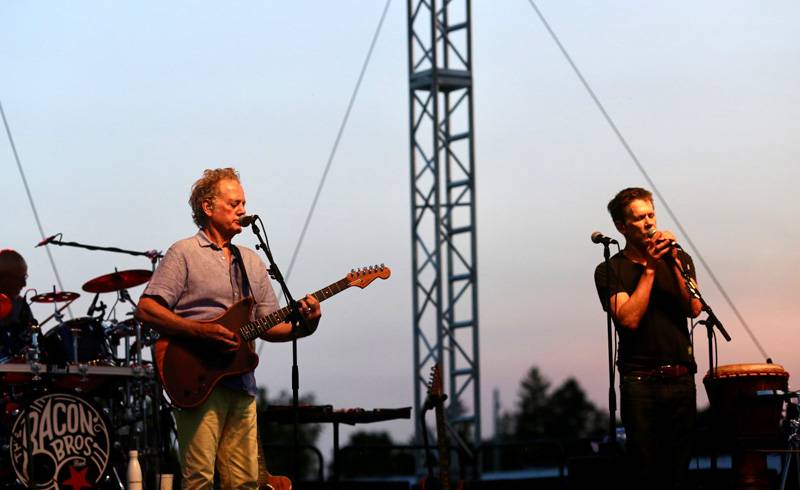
x=199 y=278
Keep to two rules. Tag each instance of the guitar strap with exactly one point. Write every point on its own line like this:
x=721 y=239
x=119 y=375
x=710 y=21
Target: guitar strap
x=263 y=473
x=245 y=286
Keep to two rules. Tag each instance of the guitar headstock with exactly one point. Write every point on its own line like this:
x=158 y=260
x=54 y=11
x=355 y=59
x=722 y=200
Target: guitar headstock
x=364 y=276
x=435 y=386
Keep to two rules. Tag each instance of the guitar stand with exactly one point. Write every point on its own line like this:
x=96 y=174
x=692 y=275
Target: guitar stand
x=430 y=402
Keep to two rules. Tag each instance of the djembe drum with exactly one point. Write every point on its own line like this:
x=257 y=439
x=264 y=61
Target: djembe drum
x=745 y=420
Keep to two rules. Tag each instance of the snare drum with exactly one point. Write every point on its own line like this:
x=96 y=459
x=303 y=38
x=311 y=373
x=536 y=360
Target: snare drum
x=86 y=332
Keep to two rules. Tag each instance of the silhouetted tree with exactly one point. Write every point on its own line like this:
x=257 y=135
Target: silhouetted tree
x=371 y=454
x=533 y=408
x=279 y=459
x=572 y=415
x=564 y=413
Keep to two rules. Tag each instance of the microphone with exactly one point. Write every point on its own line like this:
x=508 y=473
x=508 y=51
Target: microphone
x=598 y=237
x=247 y=219
x=47 y=240
x=672 y=243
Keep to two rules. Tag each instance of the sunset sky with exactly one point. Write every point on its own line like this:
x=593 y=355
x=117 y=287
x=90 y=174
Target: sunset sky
x=116 y=109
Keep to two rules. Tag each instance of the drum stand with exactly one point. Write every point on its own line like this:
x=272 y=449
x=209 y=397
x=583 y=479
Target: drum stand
x=33 y=357
x=792 y=424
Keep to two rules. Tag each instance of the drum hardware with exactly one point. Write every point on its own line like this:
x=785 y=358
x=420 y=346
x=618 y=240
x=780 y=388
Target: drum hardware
x=33 y=353
x=93 y=307
x=76 y=334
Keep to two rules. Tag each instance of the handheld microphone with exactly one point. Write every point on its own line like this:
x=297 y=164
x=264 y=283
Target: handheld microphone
x=598 y=237
x=47 y=240
x=672 y=243
x=247 y=219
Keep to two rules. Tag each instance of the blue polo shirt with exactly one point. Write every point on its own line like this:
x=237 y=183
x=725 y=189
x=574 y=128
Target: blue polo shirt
x=196 y=282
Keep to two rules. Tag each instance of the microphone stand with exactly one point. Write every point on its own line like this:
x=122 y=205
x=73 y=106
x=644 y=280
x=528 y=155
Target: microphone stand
x=612 y=394
x=296 y=319
x=153 y=255
x=710 y=322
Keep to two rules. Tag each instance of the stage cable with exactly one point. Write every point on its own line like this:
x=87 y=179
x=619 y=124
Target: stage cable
x=30 y=200
x=335 y=147
x=650 y=182
x=338 y=138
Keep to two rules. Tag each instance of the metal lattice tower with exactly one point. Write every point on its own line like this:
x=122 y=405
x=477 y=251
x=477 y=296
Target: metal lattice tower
x=444 y=255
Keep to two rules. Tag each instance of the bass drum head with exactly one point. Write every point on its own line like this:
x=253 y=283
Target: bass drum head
x=60 y=440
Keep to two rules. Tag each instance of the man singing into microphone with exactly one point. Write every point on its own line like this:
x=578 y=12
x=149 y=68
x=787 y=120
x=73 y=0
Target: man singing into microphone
x=198 y=279
x=650 y=304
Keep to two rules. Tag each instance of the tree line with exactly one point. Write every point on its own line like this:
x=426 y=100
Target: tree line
x=542 y=415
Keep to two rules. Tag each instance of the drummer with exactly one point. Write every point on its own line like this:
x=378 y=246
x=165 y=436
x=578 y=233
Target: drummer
x=17 y=317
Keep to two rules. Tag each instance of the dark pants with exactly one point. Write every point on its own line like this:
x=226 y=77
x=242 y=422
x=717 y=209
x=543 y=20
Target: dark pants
x=659 y=416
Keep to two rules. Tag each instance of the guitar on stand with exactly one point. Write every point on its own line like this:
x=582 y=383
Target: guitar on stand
x=190 y=370
x=435 y=400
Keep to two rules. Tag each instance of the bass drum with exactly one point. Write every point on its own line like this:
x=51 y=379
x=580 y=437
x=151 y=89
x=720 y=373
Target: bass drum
x=60 y=440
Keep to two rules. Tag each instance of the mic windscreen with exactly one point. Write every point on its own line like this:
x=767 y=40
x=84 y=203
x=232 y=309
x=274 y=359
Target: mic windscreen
x=248 y=219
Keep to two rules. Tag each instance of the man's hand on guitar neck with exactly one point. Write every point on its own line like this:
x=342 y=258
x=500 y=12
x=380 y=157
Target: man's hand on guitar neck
x=311 y=313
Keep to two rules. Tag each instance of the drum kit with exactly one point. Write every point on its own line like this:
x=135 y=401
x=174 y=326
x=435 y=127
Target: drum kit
x=79 y=396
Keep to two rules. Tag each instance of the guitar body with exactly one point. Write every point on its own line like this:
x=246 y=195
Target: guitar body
x=190 y=369
x=265 y=480
x=275 y=483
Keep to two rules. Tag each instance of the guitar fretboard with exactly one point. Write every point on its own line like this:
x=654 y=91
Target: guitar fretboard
x=257 y=328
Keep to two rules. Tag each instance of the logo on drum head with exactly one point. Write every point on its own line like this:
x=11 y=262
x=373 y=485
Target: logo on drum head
x=66 y=440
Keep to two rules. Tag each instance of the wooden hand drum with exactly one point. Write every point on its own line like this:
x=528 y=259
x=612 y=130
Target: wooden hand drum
x=745 y=420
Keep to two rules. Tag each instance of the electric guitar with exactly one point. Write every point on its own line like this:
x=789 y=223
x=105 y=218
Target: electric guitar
x=189 y=370
x=436 y=394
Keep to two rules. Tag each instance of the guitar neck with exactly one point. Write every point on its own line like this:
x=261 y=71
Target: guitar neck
x=444 y=448
x=256 y=328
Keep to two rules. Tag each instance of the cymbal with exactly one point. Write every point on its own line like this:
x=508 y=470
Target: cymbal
x=55 y=297
x=117 y=281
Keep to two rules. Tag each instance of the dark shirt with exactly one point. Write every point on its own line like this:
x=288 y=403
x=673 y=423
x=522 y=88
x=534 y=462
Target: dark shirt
x=662 y=336
x=196 y=281
x=14 y=330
